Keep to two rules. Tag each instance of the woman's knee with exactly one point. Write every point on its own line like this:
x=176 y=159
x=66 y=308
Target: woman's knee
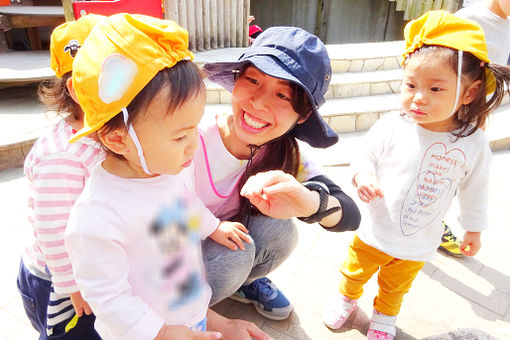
x=274 y=235
x=226 y=270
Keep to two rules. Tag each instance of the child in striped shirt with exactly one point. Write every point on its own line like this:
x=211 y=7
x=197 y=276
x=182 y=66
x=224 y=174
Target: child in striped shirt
x=56 y=171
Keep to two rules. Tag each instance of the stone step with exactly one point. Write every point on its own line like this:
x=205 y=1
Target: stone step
x=367 y=89
x=366 y=57
x=23 y=114
x=362 y=57
x=27 y=122
x=21 y=67
x=357 y=84
x=350 y=143
x=349 y=84
x=358 y=114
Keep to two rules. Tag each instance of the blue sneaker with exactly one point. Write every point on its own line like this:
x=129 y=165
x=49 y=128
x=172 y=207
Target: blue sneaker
x=268 y=300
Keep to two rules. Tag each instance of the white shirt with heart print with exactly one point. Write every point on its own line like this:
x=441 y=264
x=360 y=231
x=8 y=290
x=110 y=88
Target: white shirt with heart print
x=420 y=171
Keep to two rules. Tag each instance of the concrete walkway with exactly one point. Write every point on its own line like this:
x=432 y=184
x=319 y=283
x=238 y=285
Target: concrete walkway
x=451 y=298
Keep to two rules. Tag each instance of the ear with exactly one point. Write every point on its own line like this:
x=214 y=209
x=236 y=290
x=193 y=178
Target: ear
x=115 y=140
x=70 y=89
x=471 y=92
x=302 y=120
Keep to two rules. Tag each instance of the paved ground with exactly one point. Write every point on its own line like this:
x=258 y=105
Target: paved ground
x=448 y=295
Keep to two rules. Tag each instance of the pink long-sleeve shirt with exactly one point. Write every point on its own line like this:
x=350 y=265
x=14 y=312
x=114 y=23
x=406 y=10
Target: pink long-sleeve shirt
x=56 y=171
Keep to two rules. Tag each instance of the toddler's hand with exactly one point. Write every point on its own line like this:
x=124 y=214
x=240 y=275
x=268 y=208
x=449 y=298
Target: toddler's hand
x=231 y=235
x=174 y=332
x=368 y=187
x=80 y=306
x=471 y=243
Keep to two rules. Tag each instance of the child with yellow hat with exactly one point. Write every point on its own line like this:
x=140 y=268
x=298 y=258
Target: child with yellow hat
x=414 y=161
x=134 y=233
x=56 y=172
x=492 y=15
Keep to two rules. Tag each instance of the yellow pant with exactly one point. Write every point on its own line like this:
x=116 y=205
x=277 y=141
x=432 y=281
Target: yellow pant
x=395 y=276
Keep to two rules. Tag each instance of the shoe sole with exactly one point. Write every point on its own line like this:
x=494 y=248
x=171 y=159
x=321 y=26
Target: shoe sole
x=331 y=326
x=449 y=253
x=260 y=310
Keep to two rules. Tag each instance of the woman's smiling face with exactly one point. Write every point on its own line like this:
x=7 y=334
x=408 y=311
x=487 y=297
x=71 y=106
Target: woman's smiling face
x=261 y=106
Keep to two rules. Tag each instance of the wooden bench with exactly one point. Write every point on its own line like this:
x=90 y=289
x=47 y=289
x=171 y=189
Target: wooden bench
x=31 y=17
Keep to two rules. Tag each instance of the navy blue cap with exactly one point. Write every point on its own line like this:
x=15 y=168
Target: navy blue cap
x=295 y=55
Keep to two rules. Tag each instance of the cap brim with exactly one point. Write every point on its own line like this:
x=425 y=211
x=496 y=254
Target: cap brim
x=222 y=73
x=316 y=132
x=87 y=130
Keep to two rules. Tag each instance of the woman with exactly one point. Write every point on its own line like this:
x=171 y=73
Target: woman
x=277 y=87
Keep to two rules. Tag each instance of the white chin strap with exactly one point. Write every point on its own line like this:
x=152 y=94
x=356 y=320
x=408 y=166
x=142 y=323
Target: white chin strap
x=138 y=146
x=459 y=76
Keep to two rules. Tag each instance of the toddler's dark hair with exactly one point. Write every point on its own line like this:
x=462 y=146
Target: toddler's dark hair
x=178 y=84
x=54 y=95
x=472 y=116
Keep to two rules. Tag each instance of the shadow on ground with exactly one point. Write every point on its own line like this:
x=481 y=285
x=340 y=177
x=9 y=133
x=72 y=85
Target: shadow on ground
x=497 y=300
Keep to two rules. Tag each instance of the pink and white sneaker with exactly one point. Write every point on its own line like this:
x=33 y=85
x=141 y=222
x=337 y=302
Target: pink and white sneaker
x=338 y=311
x=378 y=335
x=382 y=326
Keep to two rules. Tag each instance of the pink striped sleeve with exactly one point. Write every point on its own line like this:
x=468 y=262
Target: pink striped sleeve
x=92 y=158
x=58 y=180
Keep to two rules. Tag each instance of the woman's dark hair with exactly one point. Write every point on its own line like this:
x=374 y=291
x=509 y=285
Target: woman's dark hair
x=279 y=154
x=178 y=84
x=473 y=115
x=54 y=95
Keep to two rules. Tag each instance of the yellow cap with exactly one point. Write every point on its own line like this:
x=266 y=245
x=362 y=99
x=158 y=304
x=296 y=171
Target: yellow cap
x=66 y=39
x=445 y=29
x=121 y=55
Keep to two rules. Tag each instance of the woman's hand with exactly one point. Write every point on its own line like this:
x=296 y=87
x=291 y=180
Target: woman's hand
x=231 y=235
x=80 y=305
x=233 y=329
x=280 y=195
x=367 y=186
x=471 y=243
x=175 y=332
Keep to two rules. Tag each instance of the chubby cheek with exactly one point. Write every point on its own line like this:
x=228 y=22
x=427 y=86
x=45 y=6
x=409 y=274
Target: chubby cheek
x=169 y=155
x=405 y=99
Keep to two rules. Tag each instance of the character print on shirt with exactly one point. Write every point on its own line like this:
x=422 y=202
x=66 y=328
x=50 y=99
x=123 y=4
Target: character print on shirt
x=200 y=326
x=425 y=198
x=72 y=47
x=177 y=237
